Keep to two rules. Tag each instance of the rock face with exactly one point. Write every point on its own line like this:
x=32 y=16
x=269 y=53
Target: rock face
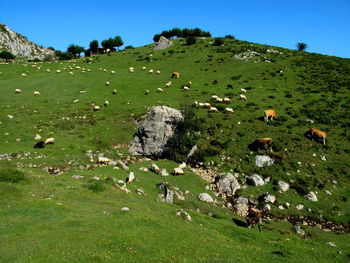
x=255 y=180
x=20 y=46
x=154 y=131
x=227 y=184
x=263 y=160
x=163 y=43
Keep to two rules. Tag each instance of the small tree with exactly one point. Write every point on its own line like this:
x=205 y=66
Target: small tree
x=219 y=41
x=109 y=43
x=191 y=40
x=6 y=55
x=118 y=41
x=230 y=37
x=94 y=46
x=156 y=37
x=301 y=46
x=75 y=50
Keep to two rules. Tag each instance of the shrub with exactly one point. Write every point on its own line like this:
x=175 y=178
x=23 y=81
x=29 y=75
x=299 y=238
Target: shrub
x=230 y=37
x=11 y=175
x=219 y=41
x=191 y=40
x=6 y=55
x=96 y=186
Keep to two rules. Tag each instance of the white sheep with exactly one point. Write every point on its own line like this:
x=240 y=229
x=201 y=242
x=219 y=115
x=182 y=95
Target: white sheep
x=131 y=69
x=18 y=91
x=108 y=83
x=48 y=70
x=24 y=75
x=207 y=105
x=158 y=72
x=71 y=73
x=244 y=90
x=37 y=93
x=168 y=84
x=144 y=68
x=182 y=165
x=113 y=72
x=219 y=100
x=213 y=109
x=242 y=97
x=114 y=92
x=227 y=100
x=229 y=110
x=106 y=103
x=58 y=71
x=160 y=90
x=201 y=104
x=150 y=71
x=50 y=140
x=178 y=171
x=186 y=88
x=96 y=108
x=214 y=97
x=147 y=92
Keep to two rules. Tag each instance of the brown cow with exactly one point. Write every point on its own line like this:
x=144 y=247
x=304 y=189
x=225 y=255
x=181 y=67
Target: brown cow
x=270 y=113
x=259 y=143
x=318 y=134
x=254 y=217
x=175 y=75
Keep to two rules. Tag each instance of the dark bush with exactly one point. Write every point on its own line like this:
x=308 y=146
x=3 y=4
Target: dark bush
x=191 y=40
x=219 y=41
x=11 y=175
x=6 y=55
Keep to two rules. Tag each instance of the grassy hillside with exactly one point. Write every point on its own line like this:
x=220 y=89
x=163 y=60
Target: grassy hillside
x=56 y=218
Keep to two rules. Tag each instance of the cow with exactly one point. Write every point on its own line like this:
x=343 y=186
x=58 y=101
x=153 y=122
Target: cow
x=269 y=114
x=317 y=134
x=260 y=143
x=175 y=75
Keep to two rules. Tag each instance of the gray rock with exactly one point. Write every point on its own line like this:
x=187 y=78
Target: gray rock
x=255 y=180
x=331 y=244
x=267 y=207
x=154 y=131
x=182 y=213
x=267 y=198
x=300 y=207
x=227 y=184
x=263 y=160
x=169 y=196
x=312 y=196
x=283 y=186
x=191 y=153
x=298 y=230
x=241 y=206
x=204 y=197
x=163 y=43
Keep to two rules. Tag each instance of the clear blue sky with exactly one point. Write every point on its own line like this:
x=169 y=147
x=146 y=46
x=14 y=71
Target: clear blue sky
x=323 y=25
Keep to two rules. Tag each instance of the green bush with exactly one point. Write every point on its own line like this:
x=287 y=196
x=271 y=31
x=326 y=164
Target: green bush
x=219 y=41
x=6 y=55
x=96 y=186
x=11 y=175
x=191 y=40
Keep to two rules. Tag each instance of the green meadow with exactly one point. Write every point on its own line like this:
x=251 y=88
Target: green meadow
x=50 y=217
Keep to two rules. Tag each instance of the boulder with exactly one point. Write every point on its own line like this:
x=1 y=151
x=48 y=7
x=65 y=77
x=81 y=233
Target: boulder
x=283 y=186
x=182 y=213
x=241 y=206
x=263 y=160
x=299 y=231
x=154 y=131
x=204 y=197
x=163 y=43
x=255 y=180
x=267 y=198
x=227 y=184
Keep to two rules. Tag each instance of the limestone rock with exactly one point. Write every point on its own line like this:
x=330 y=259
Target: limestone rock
x=182 y=213
x=227 y=184
x=154 y=131
x=241 y=206
x=263 y=160
x=204 y=197
x=312 y=196
x=267 y=198
x=283 y=186
x=163 y=43
x=298 y=230
x=255 y=180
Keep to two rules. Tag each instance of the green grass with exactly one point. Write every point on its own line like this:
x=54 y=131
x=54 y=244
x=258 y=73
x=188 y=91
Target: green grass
x=48 y=218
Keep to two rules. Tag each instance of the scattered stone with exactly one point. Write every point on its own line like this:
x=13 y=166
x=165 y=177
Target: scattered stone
x=267 y=198
x=311 y=196
x=95 y=178
x=191 y=153
x=125 y=209
x=164 y=172
x=140 y=191
x=263 y=160
x=103 y=160
x=77 y=176
x=323 y=158
x=123 y=165
x=241 y=206
x=331 y=244
x=169 y=196
x=37 y=137
x=155 y=169
x=281 y=207
x=182 y=213
x=227 y=184
x=328 y=192
x=299 y=231
x=255 y=180
x=143 y=169
x=283 y=186
x=154 y=131
x=300 y=207
x=204 y=197
x=163 y=43
x=267 y=207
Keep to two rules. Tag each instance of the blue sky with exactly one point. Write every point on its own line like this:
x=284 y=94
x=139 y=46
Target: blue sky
x=323 y=25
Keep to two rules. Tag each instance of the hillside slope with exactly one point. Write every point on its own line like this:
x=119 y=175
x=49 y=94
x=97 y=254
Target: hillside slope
x=60 y=212
x=19 y=45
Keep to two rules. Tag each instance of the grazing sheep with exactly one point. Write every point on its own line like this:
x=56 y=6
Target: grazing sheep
x=214 y=97
x=24 y=75
x=244 y=90
x=242 y=97
x=96 y=108
x=195 y=104
x=254 y=217
x=48 y=71
x=150 y=71
x=106 y=104
x=50 y=140
x=219 y=100
x=18 y=91
x=201 y=104
x=114 y=92
x=185 y=88
x=160 y=90
x=131 y=69
x=113 y=72
x=269 y=113
x=207 y=105
x=36 y=93
x=213 y=109
x=178 y=171
x=260 y=143
x=189 y=83
x=317 y=134
x=103 y=160
x=108 y=83
x=158 y=72
x=229 y=110
x=144 y=68
x=168 y=84
x=175 y=75
x=58 y=71
x=182 y=165
x=227 y=100
x=147 y=92
x=108 y=51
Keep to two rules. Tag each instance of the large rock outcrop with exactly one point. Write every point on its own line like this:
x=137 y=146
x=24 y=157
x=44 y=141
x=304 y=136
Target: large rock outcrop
x=20 y=46
x=227 y=184
x=154 y=131
x=163 y=43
